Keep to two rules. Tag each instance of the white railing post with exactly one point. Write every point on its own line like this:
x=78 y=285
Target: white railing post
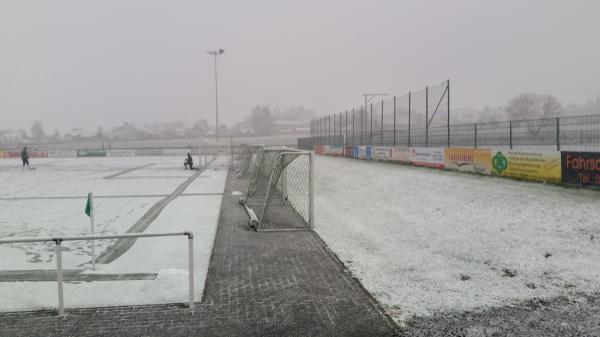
x=59 y=277
x=311 y=181
x=191 y=266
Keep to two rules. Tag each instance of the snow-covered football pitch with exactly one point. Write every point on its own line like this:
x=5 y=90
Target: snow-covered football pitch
x=50 y=200
x=426 y=241
x=422 y=241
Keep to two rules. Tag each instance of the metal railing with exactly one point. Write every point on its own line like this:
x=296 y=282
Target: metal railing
x=59 y=268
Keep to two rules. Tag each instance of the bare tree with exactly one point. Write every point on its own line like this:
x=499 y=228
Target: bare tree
x=37 y=132
x=534 y=110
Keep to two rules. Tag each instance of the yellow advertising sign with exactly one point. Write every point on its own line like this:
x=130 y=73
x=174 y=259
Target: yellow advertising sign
x=535 y=166
x=468 y=160
x=1 y=154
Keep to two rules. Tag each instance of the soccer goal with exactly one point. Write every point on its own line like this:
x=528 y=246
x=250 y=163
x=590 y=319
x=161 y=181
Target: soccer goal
x=280 y=195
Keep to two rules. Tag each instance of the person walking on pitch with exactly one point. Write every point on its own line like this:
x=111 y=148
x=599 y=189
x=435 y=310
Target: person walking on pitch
x=25 y=157
x=189 y=162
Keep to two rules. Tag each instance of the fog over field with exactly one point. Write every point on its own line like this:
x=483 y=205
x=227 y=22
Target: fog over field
x=71 y=63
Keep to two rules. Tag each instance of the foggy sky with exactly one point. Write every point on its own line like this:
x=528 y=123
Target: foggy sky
x=86 y=63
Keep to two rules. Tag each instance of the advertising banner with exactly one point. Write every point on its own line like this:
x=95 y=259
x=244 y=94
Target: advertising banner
x=365 y=152
x=62 y=154
x=183 y=152
x=382 y=153
x=401 y=154
x=333 y=150
x=534 y=166
x=362 y=152
x=468 y=160
x=348 y=151
x=580 y=168
x=120 y=153
x=318 y=148
x=32 y=154
x=427 y=156
x=148 y=152
x=91 y=153
x=355 y=151
x=1 y=154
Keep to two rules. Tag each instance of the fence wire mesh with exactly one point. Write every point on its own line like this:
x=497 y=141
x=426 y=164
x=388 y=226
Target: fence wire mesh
x=422 y=119
x=264 y=166
x=248 y=160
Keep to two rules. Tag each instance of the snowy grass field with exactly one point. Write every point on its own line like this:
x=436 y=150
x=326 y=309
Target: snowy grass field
x=50 y=201
x=425 y=241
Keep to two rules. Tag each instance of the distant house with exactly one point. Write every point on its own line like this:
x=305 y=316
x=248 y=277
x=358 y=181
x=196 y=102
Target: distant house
x=128 y=131
x=82 y=135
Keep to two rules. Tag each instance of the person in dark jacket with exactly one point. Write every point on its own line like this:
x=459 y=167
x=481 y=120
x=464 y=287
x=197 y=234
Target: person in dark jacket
x=25 y=157
x=189 y=162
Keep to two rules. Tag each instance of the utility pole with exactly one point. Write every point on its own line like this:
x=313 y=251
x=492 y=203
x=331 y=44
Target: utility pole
x=216 y=53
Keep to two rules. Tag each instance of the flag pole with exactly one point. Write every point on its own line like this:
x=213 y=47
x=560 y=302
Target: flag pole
x=91 y=197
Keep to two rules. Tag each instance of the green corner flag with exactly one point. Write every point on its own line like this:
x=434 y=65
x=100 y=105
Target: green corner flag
x=88 y=205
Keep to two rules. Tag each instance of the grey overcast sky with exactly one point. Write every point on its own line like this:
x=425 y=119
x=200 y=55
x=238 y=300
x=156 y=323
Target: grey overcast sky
x=87 y=63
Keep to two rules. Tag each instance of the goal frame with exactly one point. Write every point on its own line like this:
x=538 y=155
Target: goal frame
x=256 y=220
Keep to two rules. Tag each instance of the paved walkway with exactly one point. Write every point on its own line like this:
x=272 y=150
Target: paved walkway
x=258 y=284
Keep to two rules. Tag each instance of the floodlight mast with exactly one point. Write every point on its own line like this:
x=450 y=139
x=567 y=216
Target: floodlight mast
x=216 y=53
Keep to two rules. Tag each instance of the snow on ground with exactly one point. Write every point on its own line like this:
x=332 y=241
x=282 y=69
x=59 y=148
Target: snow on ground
x=63 y=217
x=78 y=176
x=120 y=202
x=425 y=241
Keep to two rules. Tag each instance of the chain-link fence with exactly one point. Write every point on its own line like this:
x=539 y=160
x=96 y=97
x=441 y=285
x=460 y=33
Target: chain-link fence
x=422 y=119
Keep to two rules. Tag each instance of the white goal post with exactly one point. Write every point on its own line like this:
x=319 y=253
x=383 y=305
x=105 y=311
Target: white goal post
x=281 y=191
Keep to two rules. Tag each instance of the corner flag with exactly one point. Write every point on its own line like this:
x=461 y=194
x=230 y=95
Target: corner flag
x=88 y=206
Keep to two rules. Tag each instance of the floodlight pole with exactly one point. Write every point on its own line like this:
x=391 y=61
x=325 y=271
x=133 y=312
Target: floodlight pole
x=216 y=53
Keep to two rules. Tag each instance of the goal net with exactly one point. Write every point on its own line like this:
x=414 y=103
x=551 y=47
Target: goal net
x=248 y=158
x=280 y=195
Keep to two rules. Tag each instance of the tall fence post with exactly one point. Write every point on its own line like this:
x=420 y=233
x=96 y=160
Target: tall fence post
x=334 y=134
x=557 y=133
x=510 y=140
x=59 y=277
x=394 y=120
x=340 y=121
x=346 y=129
x=426 y=116
x=409 y=108
x=371 y=112
x=381 y=123
x=318 y=126
x=353 y=129
x=448 y=112
x=319 y=130
x=361 y=125
x=329 y=130
x=475 y=125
